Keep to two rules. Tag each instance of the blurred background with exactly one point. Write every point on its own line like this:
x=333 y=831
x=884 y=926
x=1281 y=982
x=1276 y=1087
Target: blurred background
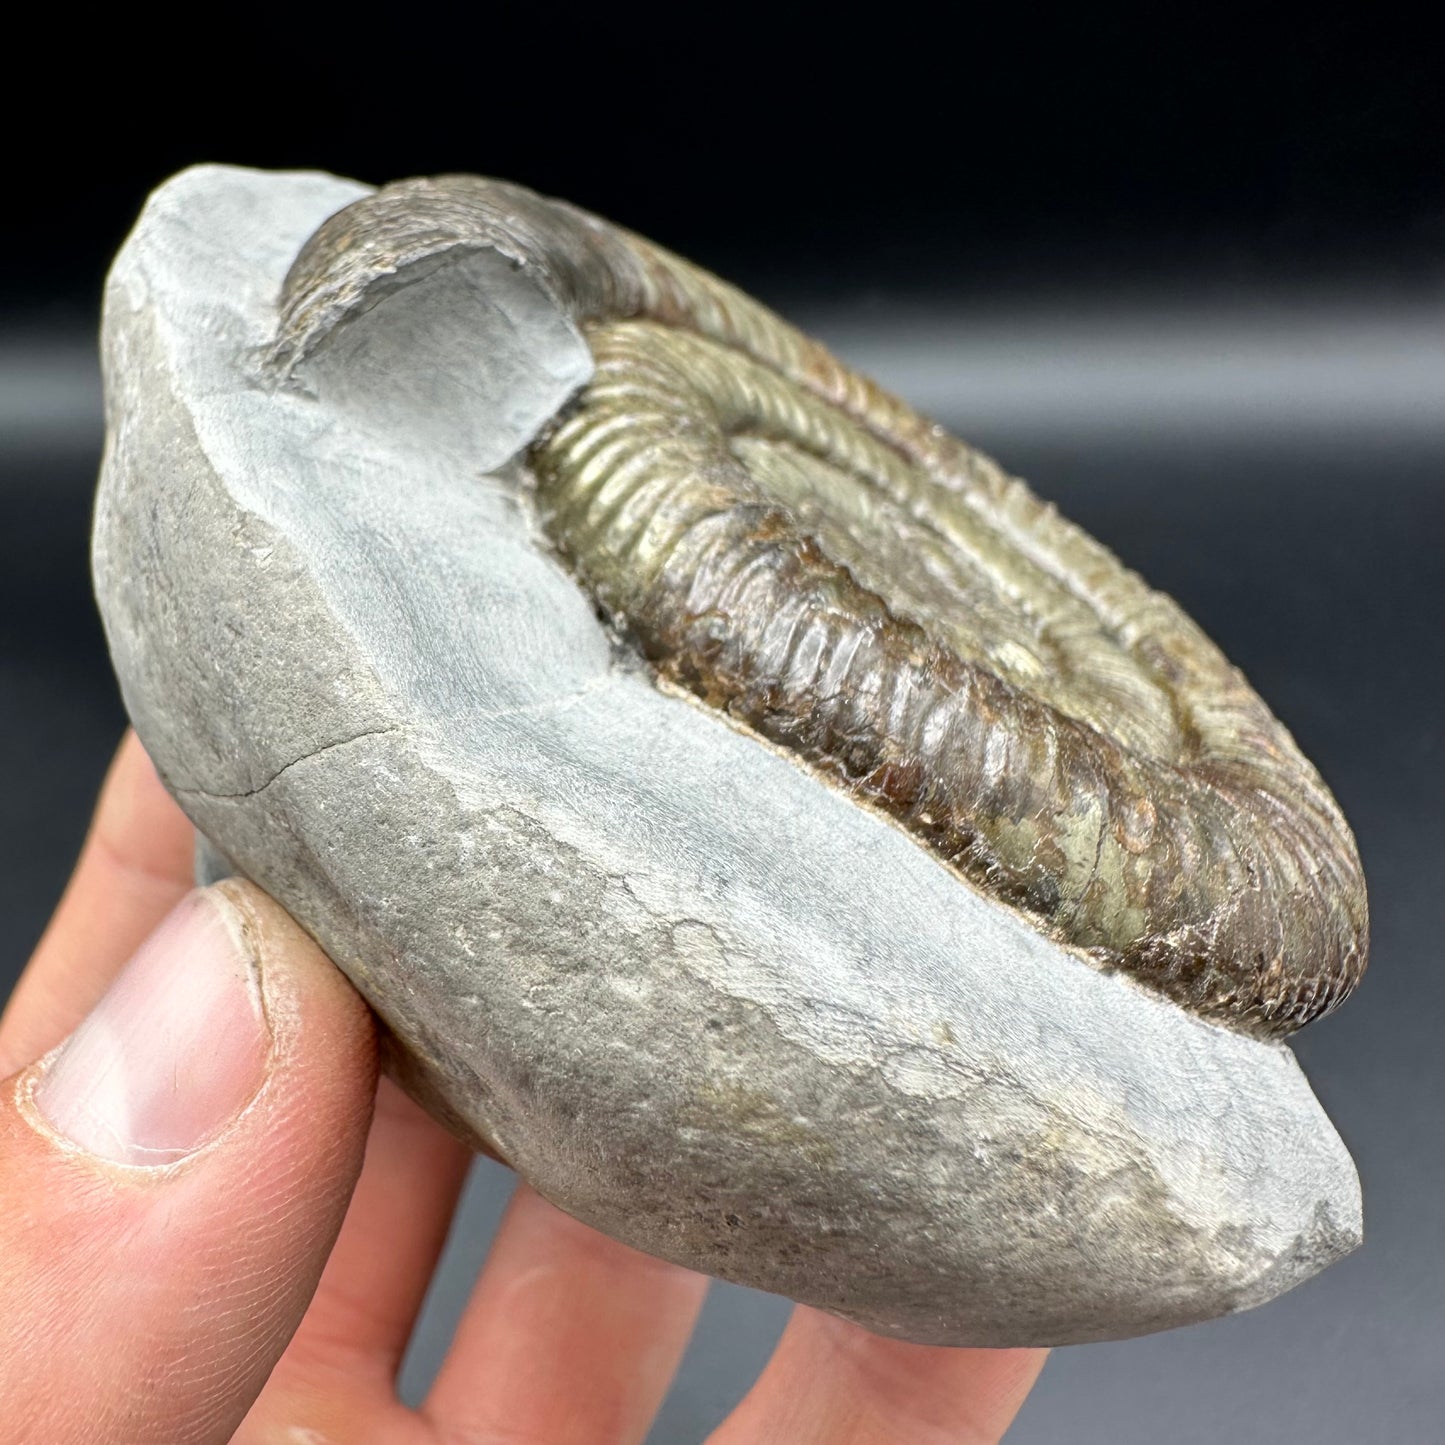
x=1184 y=272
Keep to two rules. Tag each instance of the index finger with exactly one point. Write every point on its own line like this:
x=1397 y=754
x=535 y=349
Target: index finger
x=135 y=865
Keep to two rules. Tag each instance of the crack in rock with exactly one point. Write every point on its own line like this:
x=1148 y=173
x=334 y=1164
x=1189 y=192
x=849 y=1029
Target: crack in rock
x=286 y=767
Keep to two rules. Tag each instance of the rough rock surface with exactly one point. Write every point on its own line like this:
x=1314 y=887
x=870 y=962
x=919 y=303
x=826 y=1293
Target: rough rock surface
x=699 y=999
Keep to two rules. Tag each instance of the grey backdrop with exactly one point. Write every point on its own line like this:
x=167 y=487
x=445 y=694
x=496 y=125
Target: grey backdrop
x=1271 y=457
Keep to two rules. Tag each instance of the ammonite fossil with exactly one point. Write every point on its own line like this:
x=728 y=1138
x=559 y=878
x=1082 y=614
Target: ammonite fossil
x=755 y=816
x=797 y=548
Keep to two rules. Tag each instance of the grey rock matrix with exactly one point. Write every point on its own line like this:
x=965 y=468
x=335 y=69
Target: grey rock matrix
x=698 y=998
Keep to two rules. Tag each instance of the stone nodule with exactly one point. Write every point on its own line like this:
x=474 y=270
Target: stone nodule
x=754 y=815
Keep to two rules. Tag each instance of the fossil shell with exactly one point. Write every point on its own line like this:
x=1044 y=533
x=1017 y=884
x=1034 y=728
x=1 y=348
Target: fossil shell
x=564 y=642
x=800 y=550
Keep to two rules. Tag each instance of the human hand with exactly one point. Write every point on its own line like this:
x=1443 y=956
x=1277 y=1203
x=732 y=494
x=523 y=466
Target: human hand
x=215 y=1226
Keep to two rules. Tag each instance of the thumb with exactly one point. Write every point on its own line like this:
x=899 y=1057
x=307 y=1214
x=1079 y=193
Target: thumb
x=172 y=1179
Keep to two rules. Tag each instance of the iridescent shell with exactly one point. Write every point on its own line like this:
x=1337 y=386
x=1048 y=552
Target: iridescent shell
x=796 y=548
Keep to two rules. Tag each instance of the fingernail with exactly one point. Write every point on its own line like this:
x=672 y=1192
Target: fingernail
x=175 y=1049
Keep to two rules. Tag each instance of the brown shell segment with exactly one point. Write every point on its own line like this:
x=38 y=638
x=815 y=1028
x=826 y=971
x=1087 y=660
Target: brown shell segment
x=802 y=551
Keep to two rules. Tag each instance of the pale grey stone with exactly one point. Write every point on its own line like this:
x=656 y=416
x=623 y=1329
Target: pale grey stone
x=698 y=998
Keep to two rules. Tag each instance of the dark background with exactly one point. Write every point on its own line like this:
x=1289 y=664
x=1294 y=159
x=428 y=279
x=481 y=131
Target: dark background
x=1184 y=273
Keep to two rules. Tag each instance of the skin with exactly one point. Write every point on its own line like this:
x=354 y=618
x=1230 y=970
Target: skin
x=298 y=1283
